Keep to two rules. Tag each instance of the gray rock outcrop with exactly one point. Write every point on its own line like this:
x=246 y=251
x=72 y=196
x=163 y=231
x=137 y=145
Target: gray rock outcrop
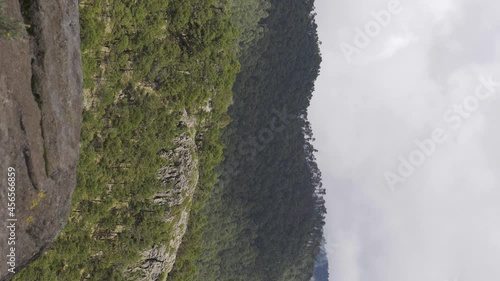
x=180 y=180
x=40 y=112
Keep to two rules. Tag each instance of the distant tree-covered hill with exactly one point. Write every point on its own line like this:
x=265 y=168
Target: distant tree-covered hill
x=263 y=221
x=321 y=267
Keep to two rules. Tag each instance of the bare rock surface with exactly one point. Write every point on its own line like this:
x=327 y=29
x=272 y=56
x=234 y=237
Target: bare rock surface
x=40 y=116
x=180 y=180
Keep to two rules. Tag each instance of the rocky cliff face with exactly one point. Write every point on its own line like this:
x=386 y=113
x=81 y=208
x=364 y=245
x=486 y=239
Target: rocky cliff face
x=180 y=180
x=40 y=111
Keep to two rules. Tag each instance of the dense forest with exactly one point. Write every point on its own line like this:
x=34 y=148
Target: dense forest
x=236 y=77
x=264 y=219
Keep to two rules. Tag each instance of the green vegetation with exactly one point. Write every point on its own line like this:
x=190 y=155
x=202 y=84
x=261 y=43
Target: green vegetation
x=9 y=28
x=144 y=63
x=246 y=17
x=264 y=219
x=257 y=212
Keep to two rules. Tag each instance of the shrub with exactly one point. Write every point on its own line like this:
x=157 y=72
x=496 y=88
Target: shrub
x=9 y=28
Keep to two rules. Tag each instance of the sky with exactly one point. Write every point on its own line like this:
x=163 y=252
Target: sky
x=405 y=116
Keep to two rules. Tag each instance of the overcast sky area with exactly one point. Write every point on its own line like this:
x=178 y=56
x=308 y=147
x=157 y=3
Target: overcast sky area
x=407 y=131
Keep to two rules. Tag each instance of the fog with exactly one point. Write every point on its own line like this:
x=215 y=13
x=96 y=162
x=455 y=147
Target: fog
x=405 y=117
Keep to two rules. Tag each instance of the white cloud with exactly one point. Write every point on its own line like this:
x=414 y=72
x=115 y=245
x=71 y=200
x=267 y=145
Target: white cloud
x=443 y=222
x=443 y=9
x=396 y=43
x=347 y=261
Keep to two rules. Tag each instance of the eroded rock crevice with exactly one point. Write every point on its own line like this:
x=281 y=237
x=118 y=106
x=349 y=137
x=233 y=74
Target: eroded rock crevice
x=40 y=94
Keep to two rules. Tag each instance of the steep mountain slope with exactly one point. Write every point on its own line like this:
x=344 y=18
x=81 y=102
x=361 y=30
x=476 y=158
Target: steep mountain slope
x=40 y=113
x=264 y=219
x=157 y=84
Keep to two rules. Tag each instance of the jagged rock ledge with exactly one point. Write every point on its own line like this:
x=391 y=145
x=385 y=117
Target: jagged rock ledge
x=179 y=180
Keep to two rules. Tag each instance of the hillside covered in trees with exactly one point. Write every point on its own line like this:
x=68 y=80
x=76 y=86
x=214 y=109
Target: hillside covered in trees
x=195 y=117
x=158 y=79
x=264 y=219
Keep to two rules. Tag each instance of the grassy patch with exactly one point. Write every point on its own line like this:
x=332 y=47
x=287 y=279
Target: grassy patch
x=9 y=28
